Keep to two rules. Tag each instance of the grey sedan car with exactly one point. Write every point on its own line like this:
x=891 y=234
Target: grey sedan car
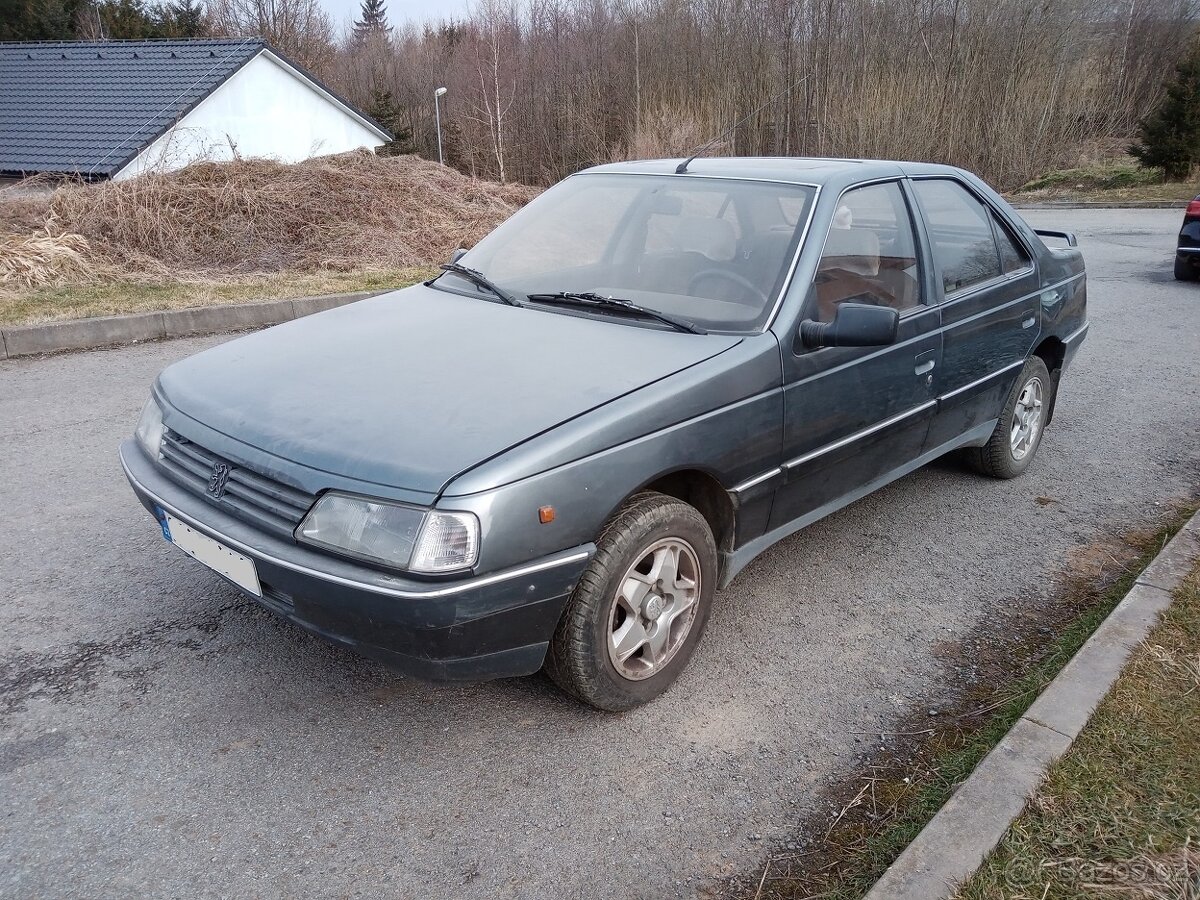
x=554 y=454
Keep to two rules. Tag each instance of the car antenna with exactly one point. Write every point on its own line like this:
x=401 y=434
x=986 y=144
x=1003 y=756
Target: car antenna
x=681 y=169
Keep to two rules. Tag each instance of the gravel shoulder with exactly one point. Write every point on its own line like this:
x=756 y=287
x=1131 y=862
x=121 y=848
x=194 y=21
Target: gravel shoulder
x=161 y=736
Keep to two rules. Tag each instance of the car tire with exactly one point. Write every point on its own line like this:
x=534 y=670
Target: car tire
x=621 y=591
x=1018 y=434
x=1184 y=270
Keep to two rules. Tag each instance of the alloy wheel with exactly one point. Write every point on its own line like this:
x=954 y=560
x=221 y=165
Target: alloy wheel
x=1026 y=419
x=654 y=608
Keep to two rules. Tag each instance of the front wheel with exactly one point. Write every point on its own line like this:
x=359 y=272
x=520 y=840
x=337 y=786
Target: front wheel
x=1018 y=434
x=637 y=614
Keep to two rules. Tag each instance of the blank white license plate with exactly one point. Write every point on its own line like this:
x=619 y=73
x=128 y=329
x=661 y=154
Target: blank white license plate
x=237 y=568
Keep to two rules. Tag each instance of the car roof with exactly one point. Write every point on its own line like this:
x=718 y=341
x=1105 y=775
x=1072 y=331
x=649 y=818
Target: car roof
x=793 y=169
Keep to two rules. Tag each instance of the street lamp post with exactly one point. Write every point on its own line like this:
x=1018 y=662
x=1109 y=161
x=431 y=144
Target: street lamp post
x=437 y=115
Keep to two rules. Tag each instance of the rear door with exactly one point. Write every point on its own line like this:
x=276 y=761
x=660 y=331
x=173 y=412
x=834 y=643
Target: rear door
x=854 y=415
x=990 y=306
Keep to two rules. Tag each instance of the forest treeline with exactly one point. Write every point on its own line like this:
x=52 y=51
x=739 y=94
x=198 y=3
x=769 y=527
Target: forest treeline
x=537 y=89
x=541 y=88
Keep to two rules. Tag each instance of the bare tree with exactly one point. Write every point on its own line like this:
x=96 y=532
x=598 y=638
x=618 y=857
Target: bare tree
x=301 y=29
x=541 y=88
x=495 y=22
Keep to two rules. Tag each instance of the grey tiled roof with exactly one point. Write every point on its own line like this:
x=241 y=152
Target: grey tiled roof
x=88 y=107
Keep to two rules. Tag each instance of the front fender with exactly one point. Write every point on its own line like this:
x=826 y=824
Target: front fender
x=734 y=439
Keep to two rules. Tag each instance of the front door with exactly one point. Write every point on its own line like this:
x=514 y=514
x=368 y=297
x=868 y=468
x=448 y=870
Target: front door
x=853 y=416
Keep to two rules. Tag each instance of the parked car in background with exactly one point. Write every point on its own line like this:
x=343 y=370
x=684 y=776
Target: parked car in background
x=1187 y=251
x=554 y=453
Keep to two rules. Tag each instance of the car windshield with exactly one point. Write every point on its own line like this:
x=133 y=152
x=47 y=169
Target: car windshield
x=709 y=251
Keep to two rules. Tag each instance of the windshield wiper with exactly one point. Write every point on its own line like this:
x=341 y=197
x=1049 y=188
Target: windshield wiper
x=478 y=279
x=591 y=298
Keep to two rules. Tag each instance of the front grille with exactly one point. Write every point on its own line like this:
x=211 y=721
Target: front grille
x=248 y=495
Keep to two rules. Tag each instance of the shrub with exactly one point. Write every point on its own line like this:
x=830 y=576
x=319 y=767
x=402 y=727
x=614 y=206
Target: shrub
x=1170 y=136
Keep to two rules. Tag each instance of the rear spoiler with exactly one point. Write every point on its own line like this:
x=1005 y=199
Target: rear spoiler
x=1068 y=236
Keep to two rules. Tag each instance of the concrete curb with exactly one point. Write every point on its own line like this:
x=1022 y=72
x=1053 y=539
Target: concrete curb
x=954 y=843
x=1102 y=204
x=108 y=331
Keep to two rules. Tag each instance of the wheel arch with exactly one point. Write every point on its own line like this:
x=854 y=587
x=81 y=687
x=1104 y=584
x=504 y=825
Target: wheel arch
x=1053 y=352
x=702 y=490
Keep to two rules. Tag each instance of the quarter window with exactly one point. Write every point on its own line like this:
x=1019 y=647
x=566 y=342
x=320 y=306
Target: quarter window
x=870 y=254
x=960 y=230
x=1012 y=255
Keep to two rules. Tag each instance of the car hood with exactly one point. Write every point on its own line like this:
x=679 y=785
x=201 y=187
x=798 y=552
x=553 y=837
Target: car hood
x=411 y=388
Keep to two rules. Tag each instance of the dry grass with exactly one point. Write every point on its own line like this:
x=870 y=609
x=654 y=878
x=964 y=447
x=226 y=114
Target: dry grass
x=232 y=231
x=78 y=301
x=1113 y=179
x=352 y=211
x=45 y=258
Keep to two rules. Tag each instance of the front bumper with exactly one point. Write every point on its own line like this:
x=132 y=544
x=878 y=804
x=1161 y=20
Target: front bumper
x=474 y=629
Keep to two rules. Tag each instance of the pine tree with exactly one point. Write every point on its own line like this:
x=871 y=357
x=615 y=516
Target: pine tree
x=384 y=110
x=186 y=19
x=372 y=20
x=1170 y=136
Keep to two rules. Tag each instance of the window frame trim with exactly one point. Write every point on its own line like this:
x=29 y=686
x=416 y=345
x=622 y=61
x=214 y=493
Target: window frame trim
x=916 y=223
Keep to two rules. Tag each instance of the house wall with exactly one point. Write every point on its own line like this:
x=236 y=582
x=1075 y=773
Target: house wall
x=263 y=110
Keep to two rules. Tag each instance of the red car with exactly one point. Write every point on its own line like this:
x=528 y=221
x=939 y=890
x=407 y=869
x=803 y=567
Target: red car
x=1187 y=254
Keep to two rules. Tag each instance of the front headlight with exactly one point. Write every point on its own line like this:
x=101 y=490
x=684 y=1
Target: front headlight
x=394 y=534
x=150 y=429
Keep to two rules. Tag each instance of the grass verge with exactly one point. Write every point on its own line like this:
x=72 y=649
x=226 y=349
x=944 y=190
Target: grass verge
x=903 y=789
x=1112 y=180
x=1119 y=814
x=33 y=306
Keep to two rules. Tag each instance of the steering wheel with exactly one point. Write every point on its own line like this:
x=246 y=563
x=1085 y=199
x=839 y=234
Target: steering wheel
x=731 y=277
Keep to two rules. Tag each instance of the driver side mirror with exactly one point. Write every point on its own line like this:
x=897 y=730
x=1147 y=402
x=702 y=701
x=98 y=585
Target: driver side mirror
x=458 y=254
x=853 y=325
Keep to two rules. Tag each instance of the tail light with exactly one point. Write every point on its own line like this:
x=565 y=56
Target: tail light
x=1193 y=208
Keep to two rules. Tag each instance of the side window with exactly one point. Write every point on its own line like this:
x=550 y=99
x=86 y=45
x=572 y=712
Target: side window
x=870 y=254
x=960 y=230
x=1012 y=255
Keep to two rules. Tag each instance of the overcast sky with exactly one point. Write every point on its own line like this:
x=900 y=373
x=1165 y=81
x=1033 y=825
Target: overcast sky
x=399 y=11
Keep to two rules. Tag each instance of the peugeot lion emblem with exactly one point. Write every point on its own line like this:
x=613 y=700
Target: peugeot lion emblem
x=217 y=480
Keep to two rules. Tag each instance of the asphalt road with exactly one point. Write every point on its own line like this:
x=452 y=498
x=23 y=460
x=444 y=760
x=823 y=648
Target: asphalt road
x=159 y=735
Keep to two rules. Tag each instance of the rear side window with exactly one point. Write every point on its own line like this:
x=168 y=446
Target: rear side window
x=1012 y=255
x=960 y=229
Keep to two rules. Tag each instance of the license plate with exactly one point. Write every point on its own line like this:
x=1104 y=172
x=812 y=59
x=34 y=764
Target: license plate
x=237 y=568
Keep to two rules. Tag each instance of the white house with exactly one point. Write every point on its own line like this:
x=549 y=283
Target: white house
x=115 y=109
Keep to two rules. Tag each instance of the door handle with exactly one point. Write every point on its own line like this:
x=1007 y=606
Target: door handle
x=1030 y=322
x=924 y=367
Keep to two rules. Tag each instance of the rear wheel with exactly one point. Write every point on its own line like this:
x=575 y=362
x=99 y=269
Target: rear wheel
x=640 y=607
x=1018 y=434
x=1184 y=270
